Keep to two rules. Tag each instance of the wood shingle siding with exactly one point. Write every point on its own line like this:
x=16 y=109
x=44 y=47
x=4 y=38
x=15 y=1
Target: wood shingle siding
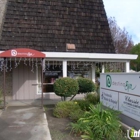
x=48 y=25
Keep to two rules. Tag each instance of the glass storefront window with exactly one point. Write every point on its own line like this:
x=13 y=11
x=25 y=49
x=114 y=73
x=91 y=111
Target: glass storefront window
x=52 y=72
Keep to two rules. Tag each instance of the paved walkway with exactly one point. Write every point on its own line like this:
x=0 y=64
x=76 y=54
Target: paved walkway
x=32 y=102
x=24 y=123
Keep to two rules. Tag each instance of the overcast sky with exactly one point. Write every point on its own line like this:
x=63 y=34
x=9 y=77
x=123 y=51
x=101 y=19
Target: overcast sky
x=127 y=15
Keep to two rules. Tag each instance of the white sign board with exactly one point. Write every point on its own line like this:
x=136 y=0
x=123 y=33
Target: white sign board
x=128 y=83
x=124 y=90
x=109 y=98
x=130 y=105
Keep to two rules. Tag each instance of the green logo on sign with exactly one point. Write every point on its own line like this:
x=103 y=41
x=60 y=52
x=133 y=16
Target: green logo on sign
x=108 y=81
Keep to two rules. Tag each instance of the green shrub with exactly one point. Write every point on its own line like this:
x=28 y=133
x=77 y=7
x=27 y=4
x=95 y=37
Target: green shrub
x=76 y=114
x=64 y=108
x=97 y=88
x=84 y=104
x=85 y=85
x=93 y=98
x=65 y=87
x=98 y=124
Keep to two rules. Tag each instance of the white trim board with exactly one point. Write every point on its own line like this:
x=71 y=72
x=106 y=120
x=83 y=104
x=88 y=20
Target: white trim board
x=94 y=56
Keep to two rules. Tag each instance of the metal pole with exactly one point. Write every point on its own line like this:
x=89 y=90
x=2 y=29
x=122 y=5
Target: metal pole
x=4 y=75
x=42 y=84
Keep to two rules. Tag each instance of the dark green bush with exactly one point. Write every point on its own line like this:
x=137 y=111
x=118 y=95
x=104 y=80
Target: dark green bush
x=85 y=85
x=64 y=108
x=93 y=98
x=65 y=87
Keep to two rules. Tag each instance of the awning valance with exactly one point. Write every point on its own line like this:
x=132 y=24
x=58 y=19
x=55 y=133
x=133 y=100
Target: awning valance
x=22 y=53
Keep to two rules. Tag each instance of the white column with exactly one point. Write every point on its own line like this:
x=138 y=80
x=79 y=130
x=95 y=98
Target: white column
x=64 y=68
x=127 y=66
x=93 y=73
x=103 y=68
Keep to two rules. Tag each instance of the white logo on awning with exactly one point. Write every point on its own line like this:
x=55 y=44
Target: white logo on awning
x=13 y=53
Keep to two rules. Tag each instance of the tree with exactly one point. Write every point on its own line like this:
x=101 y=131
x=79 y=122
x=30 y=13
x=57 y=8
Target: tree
x=66 y=87
x=121 y=40
x=85 y=86
x=135 y=64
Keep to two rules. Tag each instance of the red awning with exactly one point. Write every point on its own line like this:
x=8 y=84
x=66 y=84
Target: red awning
x=22 y=53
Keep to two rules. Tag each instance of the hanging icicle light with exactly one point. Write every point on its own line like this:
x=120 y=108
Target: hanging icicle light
x=25 y=59
x=19 y=61
x=41 y=61
x=45 y=66
x=32 y=63
x=6 y=64
x=1 y=64
x=36 y=63
x=118 y=66
x=92 y=64
x=73 y=65
x=106 y=66
x=16 y=64
x=77 y=66
x=10 y=64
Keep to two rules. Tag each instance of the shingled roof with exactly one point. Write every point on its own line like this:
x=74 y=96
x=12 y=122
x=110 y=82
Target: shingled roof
x=48 y=25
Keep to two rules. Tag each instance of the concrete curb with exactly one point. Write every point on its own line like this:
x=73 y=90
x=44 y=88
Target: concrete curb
x=1 y=112
x=125 y=128
x=48 y=131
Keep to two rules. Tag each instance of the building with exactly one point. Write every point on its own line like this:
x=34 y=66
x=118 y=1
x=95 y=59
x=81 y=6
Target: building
x=74 y=35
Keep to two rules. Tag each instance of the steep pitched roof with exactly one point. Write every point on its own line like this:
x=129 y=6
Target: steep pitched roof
x=47 y=25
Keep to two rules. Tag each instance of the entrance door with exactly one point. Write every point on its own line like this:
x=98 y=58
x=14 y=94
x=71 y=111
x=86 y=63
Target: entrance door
x=23 y=83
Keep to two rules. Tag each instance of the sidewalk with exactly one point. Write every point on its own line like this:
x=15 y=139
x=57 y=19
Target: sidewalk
x=32 y=102
x=24 y=123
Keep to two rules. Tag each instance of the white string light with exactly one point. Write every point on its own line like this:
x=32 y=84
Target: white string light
x=6 y=64
x=41 y=61
x=32 y=70
x=19 y=61
x=36 y=63
x=73 y=66
x=16 y=64
x=45 y=66
x=25 y=61
x=106 y=68
x=77 y=65
x=10 y=64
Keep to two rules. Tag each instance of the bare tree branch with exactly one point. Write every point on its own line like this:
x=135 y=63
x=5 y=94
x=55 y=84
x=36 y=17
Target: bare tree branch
x=121 y=40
